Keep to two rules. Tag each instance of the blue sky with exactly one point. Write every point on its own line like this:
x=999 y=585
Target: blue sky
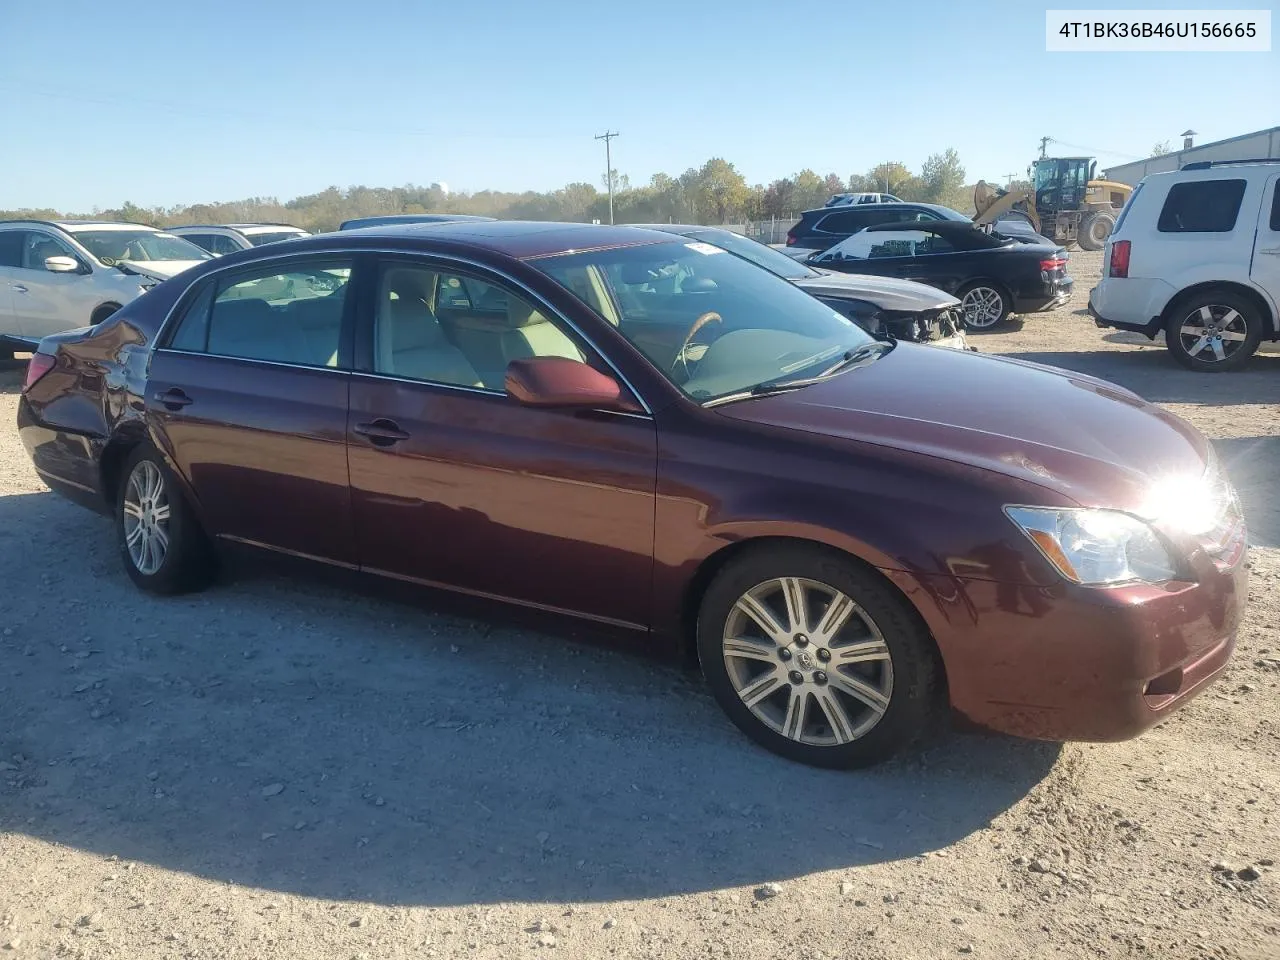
x=185 y=102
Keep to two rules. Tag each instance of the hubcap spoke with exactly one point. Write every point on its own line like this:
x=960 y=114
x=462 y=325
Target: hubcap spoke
x=134 y=536
x=1199 y=345
x=793 y=722
x=758 y=612
x=747 y=648
x=835 y=617
x=133 y=510
x=760 y=688
x=1232 y=335
x=863 y=651
x=837 y=718
x=1206 y=314
x=797 y=612
x=1218 y=352
x=161 y=513
x=860 y=690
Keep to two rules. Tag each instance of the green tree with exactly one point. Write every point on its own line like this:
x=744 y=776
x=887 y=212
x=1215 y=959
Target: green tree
x=1161 y=148
x=943 y=177
x=722 y=190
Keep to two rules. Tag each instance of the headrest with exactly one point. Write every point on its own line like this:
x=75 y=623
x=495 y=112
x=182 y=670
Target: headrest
x=522 y=314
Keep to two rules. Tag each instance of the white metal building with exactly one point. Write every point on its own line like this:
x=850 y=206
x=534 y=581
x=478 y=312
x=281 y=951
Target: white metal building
x=1250 y=146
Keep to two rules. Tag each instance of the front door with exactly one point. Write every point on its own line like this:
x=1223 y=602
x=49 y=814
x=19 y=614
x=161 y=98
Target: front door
x=456 y=484
x=249 y=397
x=47 y=302
x=1266 y=254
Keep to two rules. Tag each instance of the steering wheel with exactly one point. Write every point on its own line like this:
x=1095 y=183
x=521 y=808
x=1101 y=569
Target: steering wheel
x=682 y=355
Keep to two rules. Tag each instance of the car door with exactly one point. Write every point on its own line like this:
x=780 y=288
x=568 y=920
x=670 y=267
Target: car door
x=10 y=263
x=45 y=302
x=455 y=483
x=1266 y=256
x=248 y=395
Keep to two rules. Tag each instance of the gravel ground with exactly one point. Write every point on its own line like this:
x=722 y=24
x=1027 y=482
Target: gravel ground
x=281 y=768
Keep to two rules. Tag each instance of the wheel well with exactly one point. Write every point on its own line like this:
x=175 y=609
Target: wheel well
x=102 y=312
x=1269 y=332
x=988 y=282
x=112 y=463
x=713 y=564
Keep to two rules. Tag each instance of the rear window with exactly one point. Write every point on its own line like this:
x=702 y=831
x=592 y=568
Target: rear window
x=1127 y=207
x=846 y=222
x=1202 y=206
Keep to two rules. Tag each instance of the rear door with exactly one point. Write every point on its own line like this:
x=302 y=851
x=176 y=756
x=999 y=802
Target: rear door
x=249 y=397
x=1265 y=271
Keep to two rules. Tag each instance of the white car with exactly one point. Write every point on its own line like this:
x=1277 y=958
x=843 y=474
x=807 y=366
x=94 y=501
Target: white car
x=1196 y=254
x=849 y=199
x=230 y=237
x=58 y=275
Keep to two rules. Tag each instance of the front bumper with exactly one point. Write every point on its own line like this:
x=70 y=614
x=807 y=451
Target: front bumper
x=1078 y=663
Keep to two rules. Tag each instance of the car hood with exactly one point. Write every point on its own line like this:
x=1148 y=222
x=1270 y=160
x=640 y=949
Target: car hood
x=159 y=269
x=887 y=293
x=1088 y=440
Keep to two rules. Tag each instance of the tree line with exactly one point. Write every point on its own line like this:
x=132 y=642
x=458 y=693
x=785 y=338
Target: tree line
x=713 y=193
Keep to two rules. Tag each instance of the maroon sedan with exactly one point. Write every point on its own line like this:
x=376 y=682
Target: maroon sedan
x=651 y=435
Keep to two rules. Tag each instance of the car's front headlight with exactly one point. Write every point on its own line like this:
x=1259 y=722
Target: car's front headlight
x=1095 y=547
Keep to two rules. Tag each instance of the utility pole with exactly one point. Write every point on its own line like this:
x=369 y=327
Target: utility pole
x=1044 y=143
x=1008 y=178
x=608 y=167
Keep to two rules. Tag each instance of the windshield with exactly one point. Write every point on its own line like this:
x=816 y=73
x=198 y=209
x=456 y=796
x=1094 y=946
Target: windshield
x=772 y=260
x=712 y=322
x=258 y=239
x=138 y=245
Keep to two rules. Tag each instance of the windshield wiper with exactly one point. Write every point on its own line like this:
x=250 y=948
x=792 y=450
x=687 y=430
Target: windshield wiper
x=849 y=359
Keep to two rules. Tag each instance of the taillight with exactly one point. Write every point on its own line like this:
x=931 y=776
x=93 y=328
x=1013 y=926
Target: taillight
x=37 y=367
x=791 y=240
x=1119 y=259
x=1053 y=263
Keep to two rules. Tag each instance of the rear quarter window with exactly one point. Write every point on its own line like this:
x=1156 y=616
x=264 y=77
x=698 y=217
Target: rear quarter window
x=1275 y=206
x=1201 y=206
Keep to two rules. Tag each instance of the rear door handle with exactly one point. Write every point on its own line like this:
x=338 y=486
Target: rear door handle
x=173 y=398
x=19 y=288
x=1274 y=251
x=381 y=432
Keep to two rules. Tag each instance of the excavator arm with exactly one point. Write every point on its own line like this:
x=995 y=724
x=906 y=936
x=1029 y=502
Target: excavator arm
x=992 y=203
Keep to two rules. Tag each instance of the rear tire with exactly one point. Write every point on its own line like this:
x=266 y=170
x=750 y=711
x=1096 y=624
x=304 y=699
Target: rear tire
x=847 y=681
x=984 y=305
x=1095 y=229
x=102 y=313
x=1213 y=322
x=161 y=543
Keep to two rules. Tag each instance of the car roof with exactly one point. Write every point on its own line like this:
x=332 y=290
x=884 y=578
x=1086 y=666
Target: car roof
x=393 y=218
x=677 y=227
x=932 y=226
x=520 y=239
x=881 y=207
x=73 y=226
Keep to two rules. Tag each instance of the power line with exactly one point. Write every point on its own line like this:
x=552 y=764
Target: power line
x=608 y=167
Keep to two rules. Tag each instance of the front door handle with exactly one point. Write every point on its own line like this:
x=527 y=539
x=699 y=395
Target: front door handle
x=18 y=288
x=1274 y=251
x=173 y=398
x=381 y=432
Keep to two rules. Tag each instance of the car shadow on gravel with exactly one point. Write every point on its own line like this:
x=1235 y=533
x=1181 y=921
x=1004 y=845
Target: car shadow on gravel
x=279 y=733
x=1154 y=375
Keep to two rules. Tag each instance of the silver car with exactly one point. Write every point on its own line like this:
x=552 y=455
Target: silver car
x=64 y=274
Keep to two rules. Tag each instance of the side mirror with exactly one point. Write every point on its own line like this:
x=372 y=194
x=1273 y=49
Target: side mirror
x=562 y=382
x=62 y=264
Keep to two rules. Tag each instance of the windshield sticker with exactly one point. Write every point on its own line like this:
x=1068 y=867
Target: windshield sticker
x=704 y=248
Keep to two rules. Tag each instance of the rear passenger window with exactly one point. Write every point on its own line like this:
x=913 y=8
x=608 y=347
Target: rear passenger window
x=285 y=315
x=849 y=222
x=1202 y=206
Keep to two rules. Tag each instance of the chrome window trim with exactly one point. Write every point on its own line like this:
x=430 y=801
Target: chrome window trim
x=482 y=391
x=269 y=363
x=394 y=251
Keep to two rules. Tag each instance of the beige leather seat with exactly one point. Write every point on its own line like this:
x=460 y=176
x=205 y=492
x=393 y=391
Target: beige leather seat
x=530 y=334
x=411 y=342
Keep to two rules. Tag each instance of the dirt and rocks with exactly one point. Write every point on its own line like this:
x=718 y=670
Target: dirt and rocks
x=282 y=768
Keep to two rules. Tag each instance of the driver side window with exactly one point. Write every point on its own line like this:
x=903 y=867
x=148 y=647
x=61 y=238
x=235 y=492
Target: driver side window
x=38 y=247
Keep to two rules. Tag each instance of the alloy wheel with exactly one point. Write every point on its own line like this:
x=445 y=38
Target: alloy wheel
x=146 y=518
x=807 y=661
x=983 y=307
x=1213 y=333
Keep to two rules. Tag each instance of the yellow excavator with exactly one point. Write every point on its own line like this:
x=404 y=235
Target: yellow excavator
x=1065 y=202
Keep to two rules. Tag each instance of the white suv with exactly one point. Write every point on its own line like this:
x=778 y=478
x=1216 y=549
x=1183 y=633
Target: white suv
x=58 y=275
x=230 y=237
x=1196 y=253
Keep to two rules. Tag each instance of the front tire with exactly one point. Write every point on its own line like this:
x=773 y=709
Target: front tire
x=816 y=658
x=984 y=305
x=1214 y=332
x=161 y=543
x=1095 y=229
